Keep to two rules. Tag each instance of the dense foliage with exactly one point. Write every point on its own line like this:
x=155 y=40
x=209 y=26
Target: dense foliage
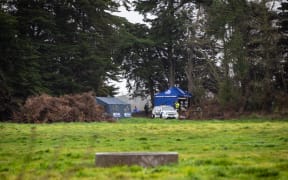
x=234 y=51
x=56 y=47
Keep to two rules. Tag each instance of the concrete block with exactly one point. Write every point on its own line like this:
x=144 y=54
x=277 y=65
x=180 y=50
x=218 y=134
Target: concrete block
x=144 y=159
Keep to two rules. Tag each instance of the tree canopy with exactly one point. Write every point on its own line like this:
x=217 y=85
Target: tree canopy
x=233 y=49
x=56 y=47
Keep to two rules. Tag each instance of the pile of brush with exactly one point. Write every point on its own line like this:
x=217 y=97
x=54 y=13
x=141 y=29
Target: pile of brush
x=67 y=108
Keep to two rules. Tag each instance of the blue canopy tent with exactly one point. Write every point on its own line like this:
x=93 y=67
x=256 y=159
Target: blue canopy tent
x=170 y=96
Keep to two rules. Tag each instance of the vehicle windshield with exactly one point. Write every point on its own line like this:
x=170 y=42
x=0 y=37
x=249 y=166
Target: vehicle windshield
x=168 y=108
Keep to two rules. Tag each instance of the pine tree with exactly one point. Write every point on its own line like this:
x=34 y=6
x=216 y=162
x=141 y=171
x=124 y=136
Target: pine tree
x=249 y=52
x=200 y=68
x=167 y=30
x=141 y=63
x=56 y=47
x=19 y=70
x=282 y=73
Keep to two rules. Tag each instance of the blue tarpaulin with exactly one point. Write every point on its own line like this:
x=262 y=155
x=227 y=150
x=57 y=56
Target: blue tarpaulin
x=170 y=96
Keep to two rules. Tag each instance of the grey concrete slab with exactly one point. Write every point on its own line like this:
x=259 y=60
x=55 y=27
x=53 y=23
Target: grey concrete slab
x=144 y=159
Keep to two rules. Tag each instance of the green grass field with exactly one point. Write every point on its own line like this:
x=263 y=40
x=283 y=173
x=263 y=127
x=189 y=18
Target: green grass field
x=230 y=149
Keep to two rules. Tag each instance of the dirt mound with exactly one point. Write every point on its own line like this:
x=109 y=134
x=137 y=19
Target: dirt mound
x=67 y=108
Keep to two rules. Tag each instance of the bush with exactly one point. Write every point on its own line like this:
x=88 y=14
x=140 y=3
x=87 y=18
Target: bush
x=67 y=108
x=212 y=109
x=209 y=109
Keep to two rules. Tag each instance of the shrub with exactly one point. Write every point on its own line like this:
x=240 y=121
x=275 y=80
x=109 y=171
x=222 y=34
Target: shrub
x=67 y=108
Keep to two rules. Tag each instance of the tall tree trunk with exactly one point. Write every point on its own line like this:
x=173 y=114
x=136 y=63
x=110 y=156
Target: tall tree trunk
x=171 y=60
x=268 y=86
x=151 y=91
x=188 y=71
x=172 y=64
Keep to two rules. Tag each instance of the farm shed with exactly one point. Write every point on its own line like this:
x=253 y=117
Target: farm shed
x=115 y=107
x=170 y=96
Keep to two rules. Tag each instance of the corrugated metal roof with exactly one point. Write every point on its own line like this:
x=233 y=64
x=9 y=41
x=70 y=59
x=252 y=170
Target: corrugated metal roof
x=110 y=100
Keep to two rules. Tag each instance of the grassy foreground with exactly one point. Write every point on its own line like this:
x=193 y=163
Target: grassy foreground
x=234 y=149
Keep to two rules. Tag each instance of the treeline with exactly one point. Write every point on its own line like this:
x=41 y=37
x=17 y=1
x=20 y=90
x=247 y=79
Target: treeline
x=231 y=51
x=56 y=47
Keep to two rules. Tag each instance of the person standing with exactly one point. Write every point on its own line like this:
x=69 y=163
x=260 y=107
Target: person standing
x=135 y=110
x=177 y=105
x=146 y=108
